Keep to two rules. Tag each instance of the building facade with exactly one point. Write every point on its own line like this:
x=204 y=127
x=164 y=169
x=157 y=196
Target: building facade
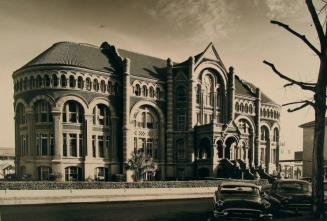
x=308 y=137
x=81 y=110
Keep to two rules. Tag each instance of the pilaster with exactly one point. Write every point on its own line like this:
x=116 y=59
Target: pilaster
x=127 y=140
x=231 y=94
x=170 y=114
x=257 y=127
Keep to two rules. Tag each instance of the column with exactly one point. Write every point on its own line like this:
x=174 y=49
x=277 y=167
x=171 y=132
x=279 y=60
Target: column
x=17 y=147
x=257 y=128
x=169 y=143
x=88 y=172
x=127 y=139
x=30 y=131
x=58 y=145
x=88 y=136
x=231 y=94
x=113 y=137
x=214 y=117
x=191 y=95
x=192 y=118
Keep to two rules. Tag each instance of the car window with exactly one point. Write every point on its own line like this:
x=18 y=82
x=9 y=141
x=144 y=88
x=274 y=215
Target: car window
x=239 y=190
x=294 y=187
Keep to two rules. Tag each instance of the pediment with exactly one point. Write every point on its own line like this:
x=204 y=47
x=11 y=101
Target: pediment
x=210 y=53
x=232 y=128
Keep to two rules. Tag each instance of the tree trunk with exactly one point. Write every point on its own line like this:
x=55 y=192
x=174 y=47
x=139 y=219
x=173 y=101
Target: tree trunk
x=318 y=146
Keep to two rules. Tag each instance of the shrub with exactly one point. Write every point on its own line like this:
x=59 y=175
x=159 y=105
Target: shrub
x=48 y=185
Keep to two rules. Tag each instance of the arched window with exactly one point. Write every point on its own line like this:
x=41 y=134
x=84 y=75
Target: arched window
x=145 y=119
x=147 y=138
x=63 y=81
x=181 y=94
x=80 y=82
x=44 y=173
x=96 y=85
x=72 y=81
x=32 y=82
x=110 y=87
x=137 y=90
x=264 y=113
x=219 y=96
x=181 y=120
x=55 y=80
x=264 y=133
x=46 y=80
x=246 y=108
x=208 y=84
x=73 y=112
x=241 y=107
x=44 y=144
x=42 y=112
x=101 y=115
x=198 y=94
x=158 y=93
x=276 y=135
x=145 y=91
x=180 y=147
x=25 y=83
x=237 y=107
x=20 y=114
x=38 y=81
x=73 y=174
x=103 y=86
x=21 y=85
x=88 y=84
x=101 y=174
x=250 y=109
x=151 y=92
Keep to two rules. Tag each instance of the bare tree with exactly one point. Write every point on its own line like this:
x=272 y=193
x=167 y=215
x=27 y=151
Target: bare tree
x=318 y=102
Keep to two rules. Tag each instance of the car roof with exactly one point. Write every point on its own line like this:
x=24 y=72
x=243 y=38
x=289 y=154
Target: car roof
x=292 y=181
x=235 y=183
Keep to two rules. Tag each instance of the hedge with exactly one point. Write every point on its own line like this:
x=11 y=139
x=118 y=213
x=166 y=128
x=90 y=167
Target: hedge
x=50 y=185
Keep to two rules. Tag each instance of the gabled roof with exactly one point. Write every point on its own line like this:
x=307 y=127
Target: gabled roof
x=311 y=124
x=73 y=54
x=145 y=65
x=209 y=53
x=247 y=88
x=99 y=59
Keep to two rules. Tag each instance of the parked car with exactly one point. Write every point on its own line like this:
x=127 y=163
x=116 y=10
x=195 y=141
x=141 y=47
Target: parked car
x=240 y=200
x=289 y=194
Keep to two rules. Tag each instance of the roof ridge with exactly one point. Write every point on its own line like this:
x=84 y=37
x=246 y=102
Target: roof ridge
x=150 y=56
x=246 y=84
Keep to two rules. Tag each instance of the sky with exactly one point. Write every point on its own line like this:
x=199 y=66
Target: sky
x=239 y=29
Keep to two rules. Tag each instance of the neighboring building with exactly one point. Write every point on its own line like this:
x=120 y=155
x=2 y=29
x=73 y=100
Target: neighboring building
x=81 y=111
x=292 y=167
x=308 y=136
x=7 y=162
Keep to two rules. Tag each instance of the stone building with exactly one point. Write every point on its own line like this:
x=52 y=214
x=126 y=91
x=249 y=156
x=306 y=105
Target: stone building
x=81 y=111
x=308 y=136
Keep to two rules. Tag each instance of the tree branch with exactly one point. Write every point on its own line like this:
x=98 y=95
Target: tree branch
x=299 y=102
x=298 y=108
x=302 y=37
x=317 y=24
x=303 y=85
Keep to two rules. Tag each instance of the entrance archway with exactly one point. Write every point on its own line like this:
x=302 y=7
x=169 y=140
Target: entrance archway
x=231 y=144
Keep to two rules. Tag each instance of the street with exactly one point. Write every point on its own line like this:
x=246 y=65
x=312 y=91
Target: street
x=171 y=210
x=195 y=209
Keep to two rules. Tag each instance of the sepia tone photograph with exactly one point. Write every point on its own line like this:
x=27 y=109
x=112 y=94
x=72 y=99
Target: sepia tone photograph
x=163 y=110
